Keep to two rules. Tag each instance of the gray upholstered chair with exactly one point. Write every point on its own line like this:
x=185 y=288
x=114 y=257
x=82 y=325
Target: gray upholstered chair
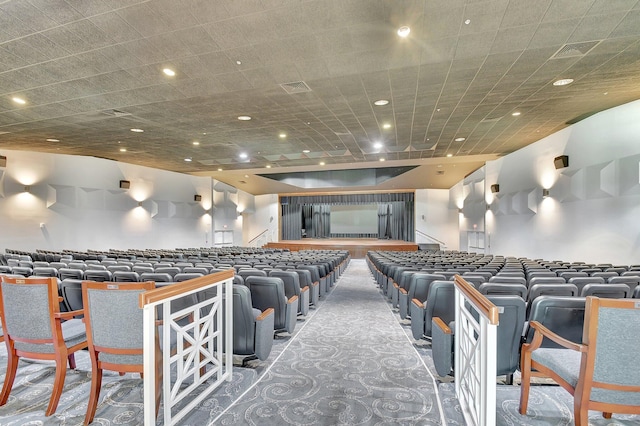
x=44 y=271
x=126 y=277
x=498 y=288
x=418 y=289
x=611 y=291
x=597 y=371
x=171 y=270
x=314 y=287
x=115 y=341
x=34 y=328
x=157 y=277
x=440 y=303
x=252 y=328
x=292 y=288
x=268 y=292
x=564 y=315
x=98 y=275
x=186 y=276
x=511 y=323
x=65 y=273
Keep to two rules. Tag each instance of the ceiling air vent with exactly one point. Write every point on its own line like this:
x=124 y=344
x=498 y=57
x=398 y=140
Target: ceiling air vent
x=296 y=87
x=116 y=113
x=575 y=49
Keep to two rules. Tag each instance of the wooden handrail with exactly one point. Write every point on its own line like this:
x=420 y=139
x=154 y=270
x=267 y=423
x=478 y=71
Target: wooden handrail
x=484 y=305
x=157 y=294
x=258 y=236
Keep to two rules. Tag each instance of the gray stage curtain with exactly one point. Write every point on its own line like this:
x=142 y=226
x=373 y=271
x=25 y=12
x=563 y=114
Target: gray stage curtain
x=291 y=221
x=312 y=212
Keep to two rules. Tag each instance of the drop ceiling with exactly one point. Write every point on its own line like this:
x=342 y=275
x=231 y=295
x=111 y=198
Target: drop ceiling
x=308 y=74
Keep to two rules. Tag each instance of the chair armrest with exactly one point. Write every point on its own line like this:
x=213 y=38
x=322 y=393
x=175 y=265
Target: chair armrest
x=541 y=332
x=437 y=321
x=417 y=303
x=264 y=314
x=403 y=291
x=305 y=288
x=68 y=315
x=292 y=299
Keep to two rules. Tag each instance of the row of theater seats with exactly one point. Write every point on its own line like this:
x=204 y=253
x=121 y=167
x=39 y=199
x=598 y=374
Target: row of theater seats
x=421 y=287
x=273 y=288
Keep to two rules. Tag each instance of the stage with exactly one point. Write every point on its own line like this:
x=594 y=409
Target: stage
x=357 y=247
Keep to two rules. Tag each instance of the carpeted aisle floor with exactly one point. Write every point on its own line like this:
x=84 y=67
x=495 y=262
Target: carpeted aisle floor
x=351 y=363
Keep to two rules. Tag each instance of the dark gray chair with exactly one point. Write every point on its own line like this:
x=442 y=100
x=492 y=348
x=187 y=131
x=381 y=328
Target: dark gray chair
x=186 y=276
x=156 y=277
x=171 y=270
x=440 y=303
x=580 y=282
x=252 y=328
x=126 y=277
x=498 y=288
x=268 y=292
x=250 y=272
x=305 y=281
x=71 y=292
x=418 y=289
x=65 y=273
x=609 y=291
x=44 y=271
x=98 y=275
x=631 y=281
x=292 y=288
x=564 y=315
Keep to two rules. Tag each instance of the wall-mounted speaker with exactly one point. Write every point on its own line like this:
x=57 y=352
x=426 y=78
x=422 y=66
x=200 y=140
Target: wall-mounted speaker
x=197 y=198
x=3 y=161
x=561 y=161
x=495 y=188
x=125 y=184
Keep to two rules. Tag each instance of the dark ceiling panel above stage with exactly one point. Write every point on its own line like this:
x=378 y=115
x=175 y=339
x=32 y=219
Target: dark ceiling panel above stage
x=339 y=178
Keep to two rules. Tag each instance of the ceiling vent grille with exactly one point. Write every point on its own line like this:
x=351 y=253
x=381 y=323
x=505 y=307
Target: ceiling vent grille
x=116 y=113
x=296 y=87
x=575 y=49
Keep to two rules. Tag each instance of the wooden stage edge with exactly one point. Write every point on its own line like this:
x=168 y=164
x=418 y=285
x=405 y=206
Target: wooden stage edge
x=357 y=247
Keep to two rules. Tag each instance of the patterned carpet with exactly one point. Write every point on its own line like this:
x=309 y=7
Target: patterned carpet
x=351 y=362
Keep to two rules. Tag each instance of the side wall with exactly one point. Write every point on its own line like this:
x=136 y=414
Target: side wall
x=592 y=212
x=56 y=202
x=436 y=218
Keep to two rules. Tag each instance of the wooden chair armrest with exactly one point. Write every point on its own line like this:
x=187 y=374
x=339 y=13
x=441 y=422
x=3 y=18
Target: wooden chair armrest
x=68 y=315
x=305 y=288
x=265 y=313
x=292 y=299
x=403 y=291
x=541 y=332
x=441 y=325
x=417 y=303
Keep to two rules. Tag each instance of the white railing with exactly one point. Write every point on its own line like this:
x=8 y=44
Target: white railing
x=430 y=239
x=259 y=240
x=475 y=354
x=202 y=357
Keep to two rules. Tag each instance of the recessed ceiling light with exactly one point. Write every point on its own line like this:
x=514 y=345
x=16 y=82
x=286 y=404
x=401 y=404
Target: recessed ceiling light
x=467 y=22
x=238 y=62
x=563 y=82
x=18 y=100
x=219 y=170
x=137 y=130
x=516 y=113
x=268 y=166
x=305 y=151
x=322 y=163
x=449 y=155
x=246 y=176
x=605 y=93
x=243 y=155
x=53 y=140
x=196 y=143
x=188 y=159
x=460 y=139
x=244 y=118
x=283 y=135
x=404 y=31
x=169 y=72
x=381 y=102
x=382 y=159
x=377 y=145
x=123 y=149
x=386 y=126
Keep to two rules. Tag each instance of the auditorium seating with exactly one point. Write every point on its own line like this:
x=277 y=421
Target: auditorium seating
x=268 y=292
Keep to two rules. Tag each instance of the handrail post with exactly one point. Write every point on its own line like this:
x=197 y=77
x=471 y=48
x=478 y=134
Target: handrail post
x=149 y=369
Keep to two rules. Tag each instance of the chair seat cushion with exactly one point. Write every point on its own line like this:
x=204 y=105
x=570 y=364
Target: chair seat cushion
x=73 y=331
x=565 y=362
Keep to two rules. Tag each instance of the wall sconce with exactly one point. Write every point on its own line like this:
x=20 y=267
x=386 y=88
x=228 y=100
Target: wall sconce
x=545 y=192
x=27 y=188
x=139 y=203
x=125 y=184
x=561 y=162
x=239 y=213
x=460 y=211
x=3 y=161
x=495 y=188
x=197 y=198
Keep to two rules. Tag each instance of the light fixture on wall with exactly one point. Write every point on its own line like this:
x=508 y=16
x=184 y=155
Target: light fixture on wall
x=561 y=161
x=495 y=188
x=197 y=198
x=460 y=211
x=545 y=192
x=125 y=184
x=3 y=161
x=139 y=203
x=27 y=188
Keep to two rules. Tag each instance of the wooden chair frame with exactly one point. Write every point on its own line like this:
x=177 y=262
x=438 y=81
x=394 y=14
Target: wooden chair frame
x=581 y=393
x=98 y=366
x=61 y=353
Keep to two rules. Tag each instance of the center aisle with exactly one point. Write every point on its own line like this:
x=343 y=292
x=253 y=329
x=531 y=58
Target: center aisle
x=352 y=363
